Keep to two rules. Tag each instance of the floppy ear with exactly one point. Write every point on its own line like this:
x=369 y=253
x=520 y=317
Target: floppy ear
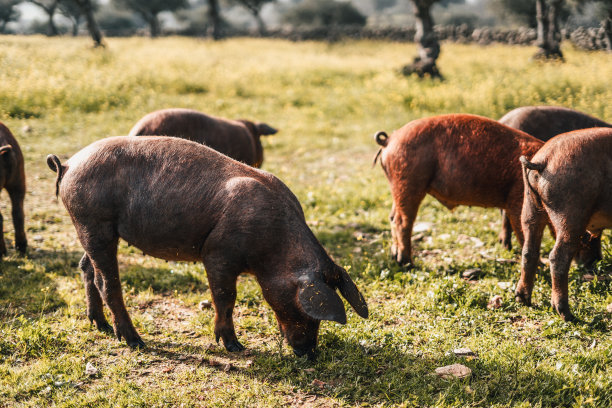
x=320 y=302
x=349 y=290
x=5 y=149
x=265 y=129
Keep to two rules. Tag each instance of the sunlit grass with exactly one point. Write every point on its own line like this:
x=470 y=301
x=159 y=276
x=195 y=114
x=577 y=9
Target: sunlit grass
x=58 y=95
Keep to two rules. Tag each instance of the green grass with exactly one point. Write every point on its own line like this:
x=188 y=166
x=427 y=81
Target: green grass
x=58 y=95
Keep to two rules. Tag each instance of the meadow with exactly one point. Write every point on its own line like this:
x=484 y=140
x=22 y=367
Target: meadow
x=58 y=95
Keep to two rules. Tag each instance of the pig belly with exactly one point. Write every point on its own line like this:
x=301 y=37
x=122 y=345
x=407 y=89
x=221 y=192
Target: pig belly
x=598 y=222
x=174 y=248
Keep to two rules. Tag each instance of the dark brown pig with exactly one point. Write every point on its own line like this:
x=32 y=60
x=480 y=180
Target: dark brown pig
x=12 y=178
x=567 y=183
x=238 y=139
x=545 y=122
x=179 y=200
x=458 y=159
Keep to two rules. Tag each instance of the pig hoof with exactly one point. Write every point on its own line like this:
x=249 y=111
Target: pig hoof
x=136 y=343
x=105 y=327
x=233 y=346
x=311 y=354
x=21 y=247
x=522 y=298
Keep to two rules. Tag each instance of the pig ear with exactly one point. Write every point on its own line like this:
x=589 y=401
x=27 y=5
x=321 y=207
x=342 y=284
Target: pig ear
x=265 y=129
x=321 y=302
x=350 y=292
x=5 y=149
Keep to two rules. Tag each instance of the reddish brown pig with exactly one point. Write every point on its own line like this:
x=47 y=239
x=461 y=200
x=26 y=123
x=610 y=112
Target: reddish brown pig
x=238 y=139
x=567 y=183
x=460 y=160
x=545 y=122
x=12 y=178
x=179 y=200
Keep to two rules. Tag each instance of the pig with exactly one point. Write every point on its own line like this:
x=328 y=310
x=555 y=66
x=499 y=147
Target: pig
x=567 y=184
x=178 y=200
x=459 y=159
x=545 y=122
x=238 y=139
x=12 y=178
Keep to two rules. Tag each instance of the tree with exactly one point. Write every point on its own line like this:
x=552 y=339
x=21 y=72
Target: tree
x=324 y=13
x=254 y=7
x=71 y=10
x=77 y=9
x=49 y=7
x=149 y=10
x=425 y=37
x=88 y=7
x=215 y=19
x=548 y=29
x=8 y=12
x=545 y=15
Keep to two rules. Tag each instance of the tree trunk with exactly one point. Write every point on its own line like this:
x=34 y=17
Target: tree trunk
x=213 y=14
x=52 y=27
x=548 y=31
x=427 y=41
x=92 y=24
x=75 y=26
x=154 y=27
x=261 y=26
x=607 y=26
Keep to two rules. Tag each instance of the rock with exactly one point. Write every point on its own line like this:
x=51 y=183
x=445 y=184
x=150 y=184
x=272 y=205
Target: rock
x=472 y=274
x=504 y=285
x=463 y=352
x=90 y=369
x=421 y=227
x=453 y=371
x=495 y=302
x=205 y=304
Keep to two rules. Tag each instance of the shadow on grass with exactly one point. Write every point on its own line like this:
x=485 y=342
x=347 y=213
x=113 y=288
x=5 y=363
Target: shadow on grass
x=362 y=374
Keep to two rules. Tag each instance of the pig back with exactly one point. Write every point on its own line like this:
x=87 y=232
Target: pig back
x=229 y=137
x=546 y=122
x=163 y=195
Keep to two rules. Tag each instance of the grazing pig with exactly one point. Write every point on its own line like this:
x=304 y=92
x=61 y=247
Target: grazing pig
x=12 y=178
x=238 y=139
x=179 y=200
x=460 y=160
x=567 y=183
x=545 y=122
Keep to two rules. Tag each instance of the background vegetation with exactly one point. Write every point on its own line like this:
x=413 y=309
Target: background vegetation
x=58 y=95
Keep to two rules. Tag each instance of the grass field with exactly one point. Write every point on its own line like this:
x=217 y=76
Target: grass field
x=58 y=95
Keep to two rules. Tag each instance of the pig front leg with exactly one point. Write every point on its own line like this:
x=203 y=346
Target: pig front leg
x=3 y=250
x=95 y=311
x=17 y=195
x=222 y=277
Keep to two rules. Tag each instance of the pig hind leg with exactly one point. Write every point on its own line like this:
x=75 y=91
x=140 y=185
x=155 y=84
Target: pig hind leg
x=95 y=311
x=406 y=209
x=222 y=277
x=505 y=236
x=534 y=221
x=566 y=245
x=101 y=248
